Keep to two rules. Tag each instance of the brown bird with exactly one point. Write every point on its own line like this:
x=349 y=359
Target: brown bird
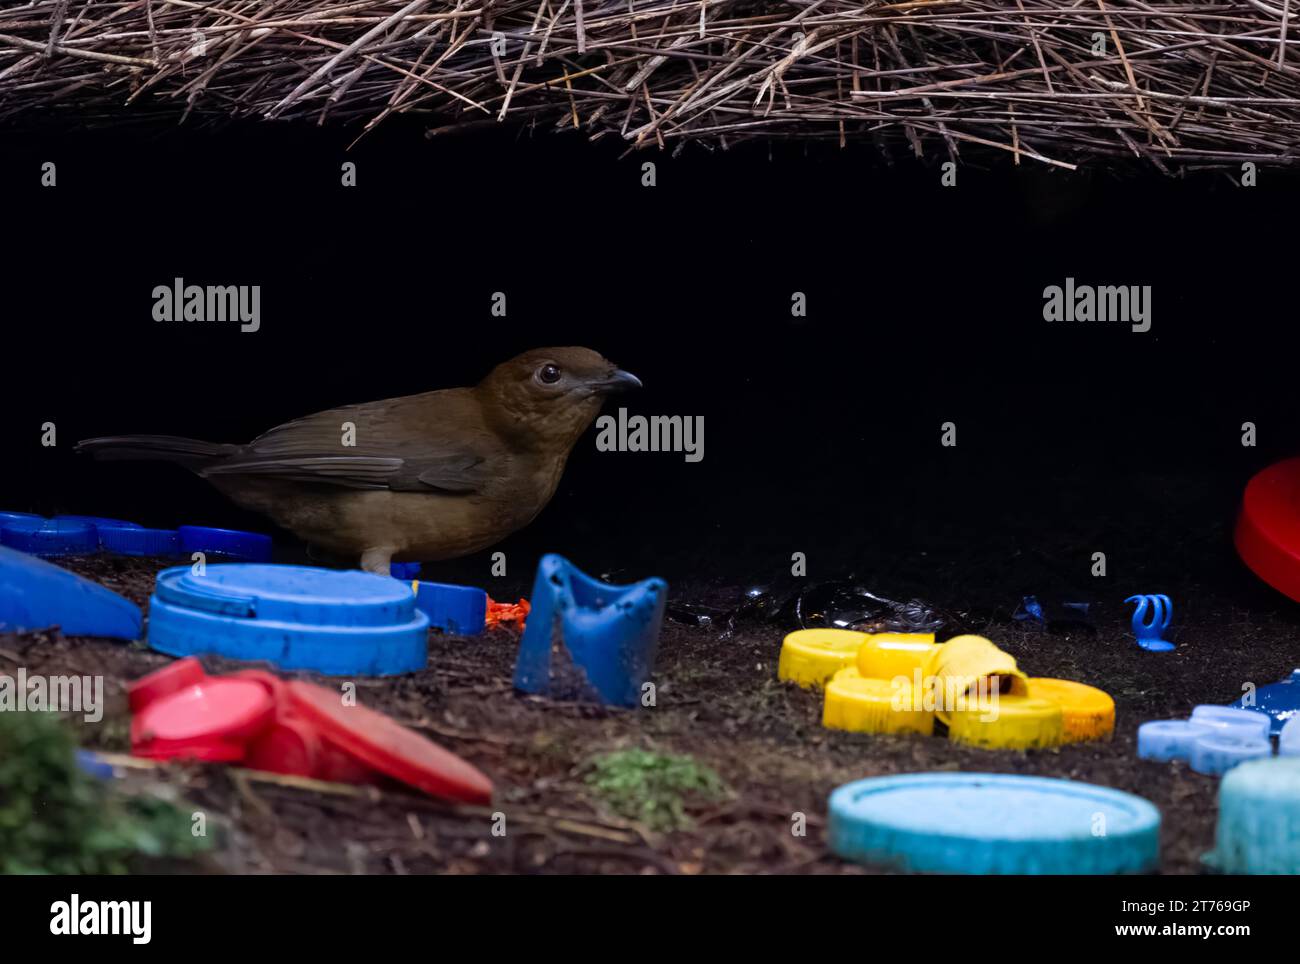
x=420 y=478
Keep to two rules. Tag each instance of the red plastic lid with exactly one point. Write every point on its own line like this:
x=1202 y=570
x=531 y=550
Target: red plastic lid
x=1268 y=529
x=208 y=721
x=385 y=745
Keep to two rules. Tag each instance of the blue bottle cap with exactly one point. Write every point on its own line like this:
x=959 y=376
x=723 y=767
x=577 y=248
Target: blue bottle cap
x=1214 y=754
x=1230 y=717
x=405 y=571
x=1166 y=740
x=460 y=610
x=986 y=823
x=36 y=595
x=230 y=543
x=95 y=520
x=43 y=537
x=138 y=541
x=7 y=517
x=341 y=623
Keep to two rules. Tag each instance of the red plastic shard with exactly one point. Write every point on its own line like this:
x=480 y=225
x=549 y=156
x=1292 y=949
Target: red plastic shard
x=383 y=744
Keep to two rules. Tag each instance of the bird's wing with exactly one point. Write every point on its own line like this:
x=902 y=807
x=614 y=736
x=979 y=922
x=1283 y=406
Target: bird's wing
x=408 y=444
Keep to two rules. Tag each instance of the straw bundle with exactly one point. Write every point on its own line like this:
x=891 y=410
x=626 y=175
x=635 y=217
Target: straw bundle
x=1206 y=83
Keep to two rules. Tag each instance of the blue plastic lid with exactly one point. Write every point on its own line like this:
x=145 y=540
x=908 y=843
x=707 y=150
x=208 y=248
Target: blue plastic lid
x=405 y=571
x=344 y=623
x=138 y=541
x=231 y=543
x=1214 y=754
x=461 y=610
x=44 y=537
x=36 y=595
x=986 y=823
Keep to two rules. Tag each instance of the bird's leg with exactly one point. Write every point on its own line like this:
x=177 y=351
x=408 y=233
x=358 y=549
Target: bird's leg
x=378 y=559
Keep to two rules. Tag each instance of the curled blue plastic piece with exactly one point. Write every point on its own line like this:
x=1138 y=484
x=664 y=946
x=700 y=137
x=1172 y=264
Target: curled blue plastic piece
x=49 y=537
x=1281 y=701
x=1150 y=630
x=36 y=595
x=1214 y=754
x=460 y=610
x=137 y=541
x=228 y=543
x=586 y=639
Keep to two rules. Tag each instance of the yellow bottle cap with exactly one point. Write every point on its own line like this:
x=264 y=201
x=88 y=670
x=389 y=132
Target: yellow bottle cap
x=1008 y=722
x=1089 y=713
x=810 y=657
x=886 y=655
x=864 y=704
x=957 y=668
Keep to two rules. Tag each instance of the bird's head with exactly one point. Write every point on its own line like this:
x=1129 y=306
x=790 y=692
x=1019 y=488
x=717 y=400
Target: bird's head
x=551 y=395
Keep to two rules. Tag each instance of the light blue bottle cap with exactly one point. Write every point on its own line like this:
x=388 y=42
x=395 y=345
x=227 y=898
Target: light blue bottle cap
x=1252 y=721
x=342 y=623
x=985 y=823
x=1166 y=740
x=1259 y=819
x=1214 y=754
x=1288 y=744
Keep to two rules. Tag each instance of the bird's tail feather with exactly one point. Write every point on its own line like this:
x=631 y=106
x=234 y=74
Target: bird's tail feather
x=188 y=452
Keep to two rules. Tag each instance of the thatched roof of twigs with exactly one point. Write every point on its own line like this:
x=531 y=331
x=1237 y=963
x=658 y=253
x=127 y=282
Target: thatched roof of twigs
x=1199 y=83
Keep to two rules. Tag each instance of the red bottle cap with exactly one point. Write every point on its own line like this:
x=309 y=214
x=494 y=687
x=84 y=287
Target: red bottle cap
x=1268 y=529
x=171 y=678
x=211 y=720
x=385 y=745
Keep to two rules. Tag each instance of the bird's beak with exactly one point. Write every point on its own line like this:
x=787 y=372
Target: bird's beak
x=618 y=381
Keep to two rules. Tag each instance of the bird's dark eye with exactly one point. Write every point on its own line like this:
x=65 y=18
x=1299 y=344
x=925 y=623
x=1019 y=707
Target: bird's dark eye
x=548 y=374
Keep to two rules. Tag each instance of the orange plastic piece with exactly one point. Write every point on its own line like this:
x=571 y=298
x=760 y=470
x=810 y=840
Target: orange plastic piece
x=499 y=614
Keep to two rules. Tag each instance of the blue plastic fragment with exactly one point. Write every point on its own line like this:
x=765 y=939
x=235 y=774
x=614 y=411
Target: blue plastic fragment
x=986 y=823
x=1149 y=632
x=36 y=595
x=460 y=610
x=49 y=537
x=7 y=517
x=1281 y=701
x=1029 y=608
x=1214 y=754
x=229 y=543
x=341 y=623
x=93 y=765
x=139 y=541
x=405 y=571
x=587 y=639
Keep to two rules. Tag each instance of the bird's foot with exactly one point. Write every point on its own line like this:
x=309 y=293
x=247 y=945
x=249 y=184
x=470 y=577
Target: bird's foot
x=378 y=560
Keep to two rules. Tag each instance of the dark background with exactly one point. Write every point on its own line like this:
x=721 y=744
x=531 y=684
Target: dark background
x=822 y=434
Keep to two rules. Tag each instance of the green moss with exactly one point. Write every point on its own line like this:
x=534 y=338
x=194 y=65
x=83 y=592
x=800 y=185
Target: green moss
x=653 y=788
x=56 y=819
